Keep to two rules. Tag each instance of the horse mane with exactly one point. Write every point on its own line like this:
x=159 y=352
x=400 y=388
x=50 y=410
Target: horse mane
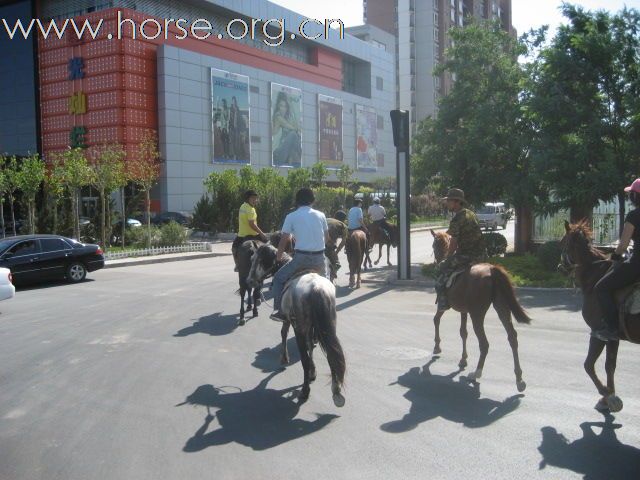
x=584 y=228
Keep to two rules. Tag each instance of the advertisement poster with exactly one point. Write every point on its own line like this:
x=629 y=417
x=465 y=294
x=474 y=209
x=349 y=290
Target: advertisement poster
x=230 y=117
x=330 y=131
x=367 y=138
x=286 y=126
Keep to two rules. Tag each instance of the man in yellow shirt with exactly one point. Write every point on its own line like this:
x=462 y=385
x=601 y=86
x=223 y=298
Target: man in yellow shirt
x=247 y=224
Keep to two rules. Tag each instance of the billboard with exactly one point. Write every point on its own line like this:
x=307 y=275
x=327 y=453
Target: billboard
x=330 y=131
x=286 y=126
x=367 y=138
x=230 y=117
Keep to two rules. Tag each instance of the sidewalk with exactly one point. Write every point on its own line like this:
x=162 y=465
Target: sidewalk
x=218 y=249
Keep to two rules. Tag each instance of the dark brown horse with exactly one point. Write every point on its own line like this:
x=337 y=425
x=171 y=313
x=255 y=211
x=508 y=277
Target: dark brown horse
x=473 y=293
x=589 y=265
x=377 y=237
x=245 y=252
x=356 y=247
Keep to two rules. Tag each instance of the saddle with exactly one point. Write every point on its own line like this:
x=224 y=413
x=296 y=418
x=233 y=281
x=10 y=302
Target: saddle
x=454 y=276
x=628 y=300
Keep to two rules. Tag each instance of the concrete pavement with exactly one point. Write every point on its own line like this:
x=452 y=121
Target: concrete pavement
x=143 y=373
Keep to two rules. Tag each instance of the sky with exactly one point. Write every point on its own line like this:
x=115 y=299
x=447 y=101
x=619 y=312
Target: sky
x=527 y=14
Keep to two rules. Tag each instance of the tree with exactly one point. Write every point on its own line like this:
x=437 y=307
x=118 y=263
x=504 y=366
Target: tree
x=12 y=185
x=54 y=186
x=319 y=173
x=584 y=104
x=29 y=179
x=145 y=169
x=345 y=177
x=224 y=188
x=76 y=174
x=107 y=163
x=3 y=190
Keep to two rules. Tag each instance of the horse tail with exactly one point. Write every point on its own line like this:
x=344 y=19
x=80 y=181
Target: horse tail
x=503 y=287
x=322 y=307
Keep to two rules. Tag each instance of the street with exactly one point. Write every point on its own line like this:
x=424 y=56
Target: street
x=142 y=373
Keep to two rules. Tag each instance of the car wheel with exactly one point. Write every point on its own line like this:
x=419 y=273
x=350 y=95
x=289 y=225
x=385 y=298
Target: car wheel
x=76 y=272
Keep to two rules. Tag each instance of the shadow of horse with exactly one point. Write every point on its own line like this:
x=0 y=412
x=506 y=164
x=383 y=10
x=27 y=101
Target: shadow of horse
x=215 y=325
x=268 y=359
x=261 y=418
x=594 y=456
x=434 y=396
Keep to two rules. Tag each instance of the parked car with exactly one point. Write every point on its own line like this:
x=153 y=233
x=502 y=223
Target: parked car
x=131 y=222
x=493 y=215
x=34 y=258
x=7 y=290
x=166 y=217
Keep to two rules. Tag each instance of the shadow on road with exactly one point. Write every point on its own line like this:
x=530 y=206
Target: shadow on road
x=554 y=300
x=215 y=325
x=434 y=396
x=362 y=298
x=594 y=456
x=50 y=284
x=261 y=418
x=268 y=359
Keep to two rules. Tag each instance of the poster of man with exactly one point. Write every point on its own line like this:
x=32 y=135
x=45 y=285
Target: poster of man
x=286 y=126
x=230 y=117
x=330 y=131
x=367 y=138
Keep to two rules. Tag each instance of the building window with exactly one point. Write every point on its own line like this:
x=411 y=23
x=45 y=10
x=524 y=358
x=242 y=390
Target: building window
x=256 y=139
x=379 y=83
x=380 y=122
x=254 y=89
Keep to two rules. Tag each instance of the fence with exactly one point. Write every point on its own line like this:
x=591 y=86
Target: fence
x=605 y=224
x=145 y=252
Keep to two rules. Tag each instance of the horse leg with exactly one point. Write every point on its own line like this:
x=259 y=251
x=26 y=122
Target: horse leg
x=613 y=401
x=284 y=332
x=351 y=280
x=388 y=254
x=256 y=301
x=477 y=320
x=436 y=323
x=304 y=359
x=242 y=292
x=463 y=334
x=596 y=347
x=312 y=365
x=379 y=254
x=358 y=273
x=504 y=313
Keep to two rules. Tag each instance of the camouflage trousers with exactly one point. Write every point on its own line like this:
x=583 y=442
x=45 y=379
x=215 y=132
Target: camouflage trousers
x=331 y=252
x=448 y=267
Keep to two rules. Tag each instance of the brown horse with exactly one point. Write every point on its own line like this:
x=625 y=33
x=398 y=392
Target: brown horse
x=474 y=292
x=377 y=237
x=356 y=247
x=589 y=265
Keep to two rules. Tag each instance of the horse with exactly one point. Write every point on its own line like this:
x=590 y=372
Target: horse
x=244 y=255
x=474 y=291
x=356 y=247
x=589 y=265
x=378 y=237
x=309 y=304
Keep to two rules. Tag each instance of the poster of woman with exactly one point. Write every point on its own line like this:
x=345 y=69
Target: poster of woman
x=286 y=126
x=367 y=138
x=330 y=131
x=230 y=117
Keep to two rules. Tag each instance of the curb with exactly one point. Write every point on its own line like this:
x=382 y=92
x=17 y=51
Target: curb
x=150 y=261
x=431 y=284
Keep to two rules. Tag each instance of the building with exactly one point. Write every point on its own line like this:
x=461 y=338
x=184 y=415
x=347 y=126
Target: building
x=212 y=99
x=420 y=27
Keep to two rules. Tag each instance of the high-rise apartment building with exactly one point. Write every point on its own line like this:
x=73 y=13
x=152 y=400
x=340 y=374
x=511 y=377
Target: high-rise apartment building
x=421 y=28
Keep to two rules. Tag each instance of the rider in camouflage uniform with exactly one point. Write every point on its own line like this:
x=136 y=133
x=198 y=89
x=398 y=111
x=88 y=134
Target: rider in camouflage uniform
x=467 y=245
x=337 y=232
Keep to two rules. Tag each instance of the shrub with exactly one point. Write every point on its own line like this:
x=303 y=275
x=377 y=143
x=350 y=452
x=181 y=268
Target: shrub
x=549 y=255
x=528 y=271
x=172 y=234
x=496 y=244
x=430 y=270
x=204 y=214
x=137 y=236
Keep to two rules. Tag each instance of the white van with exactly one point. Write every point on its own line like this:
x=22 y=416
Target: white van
x=493 y=215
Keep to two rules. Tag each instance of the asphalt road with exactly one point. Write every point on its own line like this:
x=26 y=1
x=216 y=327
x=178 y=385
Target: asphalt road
x=142 y=373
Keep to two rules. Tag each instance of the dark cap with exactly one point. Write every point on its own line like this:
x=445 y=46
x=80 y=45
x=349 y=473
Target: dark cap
x=250 y=193
x=455 y=194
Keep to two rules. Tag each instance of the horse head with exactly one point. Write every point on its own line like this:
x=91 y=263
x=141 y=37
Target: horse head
x=264 y=264
x=441 y=242
x=577 y=246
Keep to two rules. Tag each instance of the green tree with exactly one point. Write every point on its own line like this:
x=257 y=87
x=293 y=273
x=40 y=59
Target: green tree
x=30 y=177
x=319 y=174
x=273 y=203
x=345 y=177
x=76 y=173
x=54 y=188
x=224 y=188
x=144 y=169
x=109 y=175
x=12 y=185
x=583 y=102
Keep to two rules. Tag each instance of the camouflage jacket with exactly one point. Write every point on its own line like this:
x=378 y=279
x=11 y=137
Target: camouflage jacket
x=464 y=227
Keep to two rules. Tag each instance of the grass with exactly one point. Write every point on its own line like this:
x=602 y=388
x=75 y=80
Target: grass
x=525 y=271
x=435 y=220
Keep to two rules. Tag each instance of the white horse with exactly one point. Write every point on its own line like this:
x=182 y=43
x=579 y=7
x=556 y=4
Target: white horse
x=309 y=304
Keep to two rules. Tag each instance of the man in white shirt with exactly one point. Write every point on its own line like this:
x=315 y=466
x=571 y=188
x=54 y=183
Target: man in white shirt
x=378 y=216
x=310 y=229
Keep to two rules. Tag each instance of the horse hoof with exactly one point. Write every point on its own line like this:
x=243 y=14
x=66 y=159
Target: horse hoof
x=473 y=376
x=255 y=313
x=242 y=321
x=357 y=285
x=522 y=385
x=462 y=364
x=303 y=396
x=312 y=376
x=602 y=405
x=338 y=400
x=614 y=403
x=437 y=351
x=284 y=360
x=258 y=303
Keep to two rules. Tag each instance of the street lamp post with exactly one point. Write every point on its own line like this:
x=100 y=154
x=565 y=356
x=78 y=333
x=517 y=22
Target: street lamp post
x=400 y=123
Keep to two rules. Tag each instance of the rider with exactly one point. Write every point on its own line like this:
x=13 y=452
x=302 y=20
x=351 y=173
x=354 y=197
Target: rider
x=337 y=232
x=623 y=273
x=247 y=224
x=466 y=247
x=355 y=218
x=310 y=229
x=340 y=214
x=378 y=216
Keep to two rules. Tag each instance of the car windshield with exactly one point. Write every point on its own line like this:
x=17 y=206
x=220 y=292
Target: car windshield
x=486 y=210
x=4 y=244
